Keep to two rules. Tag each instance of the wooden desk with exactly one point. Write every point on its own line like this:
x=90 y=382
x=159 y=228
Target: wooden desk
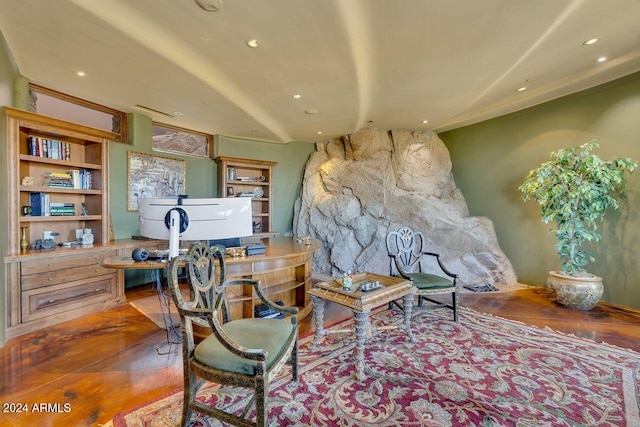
x=284 y=272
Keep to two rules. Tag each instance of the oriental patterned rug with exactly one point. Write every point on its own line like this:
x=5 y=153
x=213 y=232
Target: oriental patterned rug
x=482 y=371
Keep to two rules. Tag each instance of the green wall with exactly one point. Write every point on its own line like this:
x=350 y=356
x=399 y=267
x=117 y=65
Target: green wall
x=490 y=160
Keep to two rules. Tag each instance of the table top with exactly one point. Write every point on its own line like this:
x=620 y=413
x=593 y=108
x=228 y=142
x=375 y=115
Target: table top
x=392 y=288
x=277 y=248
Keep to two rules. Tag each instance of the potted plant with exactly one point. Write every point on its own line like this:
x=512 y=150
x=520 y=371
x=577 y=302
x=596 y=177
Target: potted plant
x=575 y=189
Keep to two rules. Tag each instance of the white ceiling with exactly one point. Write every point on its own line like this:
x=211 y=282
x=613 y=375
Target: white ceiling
x=360 y=63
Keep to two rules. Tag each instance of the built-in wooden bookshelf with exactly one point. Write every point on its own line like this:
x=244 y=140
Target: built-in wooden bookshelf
x=39 y=168
x=46 y=282
x=249 y=178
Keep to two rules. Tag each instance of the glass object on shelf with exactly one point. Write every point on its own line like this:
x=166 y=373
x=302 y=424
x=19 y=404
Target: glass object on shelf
x=258 y=192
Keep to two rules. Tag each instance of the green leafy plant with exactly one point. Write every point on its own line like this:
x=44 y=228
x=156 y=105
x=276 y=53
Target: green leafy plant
x=575 y=189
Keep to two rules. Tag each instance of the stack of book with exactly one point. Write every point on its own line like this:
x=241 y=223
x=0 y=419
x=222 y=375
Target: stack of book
x=60 y=209
x=59 y=180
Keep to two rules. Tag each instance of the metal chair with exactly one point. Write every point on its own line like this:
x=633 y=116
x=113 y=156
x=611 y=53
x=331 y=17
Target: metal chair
x=247 y=352
x=407 y=259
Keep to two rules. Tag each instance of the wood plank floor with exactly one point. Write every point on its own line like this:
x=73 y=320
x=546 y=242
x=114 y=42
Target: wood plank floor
x=87 y=370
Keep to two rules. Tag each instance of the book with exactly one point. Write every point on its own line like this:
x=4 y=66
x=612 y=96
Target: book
x=37 y=204
x=75 y=178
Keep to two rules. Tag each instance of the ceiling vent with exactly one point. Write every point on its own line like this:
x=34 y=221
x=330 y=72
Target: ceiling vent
x=151 y=110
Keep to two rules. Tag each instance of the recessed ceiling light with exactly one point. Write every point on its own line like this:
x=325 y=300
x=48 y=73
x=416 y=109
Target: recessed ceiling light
x=601 y=59
x=254 y=131
x=369 y=121
x=424 y=122
x=319 y=132
x=590 y=41
x=253 y=43
x=296 y=96
x=521 y=89
x=80 y=73
x=177 y=113
x=311 y=111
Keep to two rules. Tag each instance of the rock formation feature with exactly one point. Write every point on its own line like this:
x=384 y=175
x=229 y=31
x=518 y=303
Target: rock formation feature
x=359 y=187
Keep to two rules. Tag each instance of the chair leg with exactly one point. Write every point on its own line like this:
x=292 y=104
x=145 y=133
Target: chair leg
x=455 y=306
x=261 y=403
x=294 y=362
x=189 y=393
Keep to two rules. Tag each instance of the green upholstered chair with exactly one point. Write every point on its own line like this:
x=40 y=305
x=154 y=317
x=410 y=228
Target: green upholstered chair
x=407 y=259
x=247 y=352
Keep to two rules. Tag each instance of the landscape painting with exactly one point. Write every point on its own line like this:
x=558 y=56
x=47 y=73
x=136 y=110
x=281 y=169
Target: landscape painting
x=153 y=177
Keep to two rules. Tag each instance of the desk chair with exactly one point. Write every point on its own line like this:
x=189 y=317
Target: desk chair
x=243 y=353
x=406 y=254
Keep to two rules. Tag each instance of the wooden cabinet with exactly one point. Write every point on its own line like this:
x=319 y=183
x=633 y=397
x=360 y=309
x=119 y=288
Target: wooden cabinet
x=42 y=153
x=49 y=286
x=284 y=273
x=249 y=178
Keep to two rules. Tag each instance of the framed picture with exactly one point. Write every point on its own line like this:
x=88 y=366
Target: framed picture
x=172 y=139
x=153 y=176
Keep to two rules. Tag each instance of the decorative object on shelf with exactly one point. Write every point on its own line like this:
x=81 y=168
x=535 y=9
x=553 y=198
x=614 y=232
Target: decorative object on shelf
x=154 y=176
x=45 y=244
x=87 y=237
x=257 y=226
x=262 y=178
x=258 y=192
x=238 y=252
x=588 y=185
x=347 y=281
x=84 y=209
x=230 y=191
x=231 y=174
x=26 y=210
x=24 y=242
x=28 y=180
x=306 y=240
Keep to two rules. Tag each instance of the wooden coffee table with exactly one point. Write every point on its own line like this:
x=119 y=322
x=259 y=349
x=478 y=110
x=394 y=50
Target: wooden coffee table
x=361 y=302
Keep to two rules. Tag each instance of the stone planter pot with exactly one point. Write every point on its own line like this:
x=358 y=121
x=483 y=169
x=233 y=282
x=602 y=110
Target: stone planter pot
x=580 y=293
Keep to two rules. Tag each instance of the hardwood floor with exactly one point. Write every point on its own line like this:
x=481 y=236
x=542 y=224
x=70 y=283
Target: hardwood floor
x=83 y=372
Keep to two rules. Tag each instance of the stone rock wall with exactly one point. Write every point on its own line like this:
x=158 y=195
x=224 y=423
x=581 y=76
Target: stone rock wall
x=358 y=188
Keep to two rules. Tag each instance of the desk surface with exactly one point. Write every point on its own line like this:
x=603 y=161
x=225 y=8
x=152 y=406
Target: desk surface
x=277 y=248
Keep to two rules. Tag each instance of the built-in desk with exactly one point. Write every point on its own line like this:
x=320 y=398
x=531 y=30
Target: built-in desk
x=284 y=272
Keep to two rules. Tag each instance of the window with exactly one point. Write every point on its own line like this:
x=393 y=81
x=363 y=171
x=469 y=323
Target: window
x=172 y=139
x=55 y=104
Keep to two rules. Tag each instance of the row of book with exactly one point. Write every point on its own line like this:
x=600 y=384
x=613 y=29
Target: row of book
x=41 y=205
x=77 y=179
x=48 y=148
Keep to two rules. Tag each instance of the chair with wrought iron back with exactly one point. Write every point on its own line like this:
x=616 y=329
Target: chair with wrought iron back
x=407 y=259
x=247 y=352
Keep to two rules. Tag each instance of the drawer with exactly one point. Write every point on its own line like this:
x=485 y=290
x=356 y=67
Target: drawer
x=43 y=302
x=64 y=262
x=55 y=277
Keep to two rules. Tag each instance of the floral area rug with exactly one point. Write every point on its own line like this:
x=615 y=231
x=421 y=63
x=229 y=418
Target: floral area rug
x=481 y=371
